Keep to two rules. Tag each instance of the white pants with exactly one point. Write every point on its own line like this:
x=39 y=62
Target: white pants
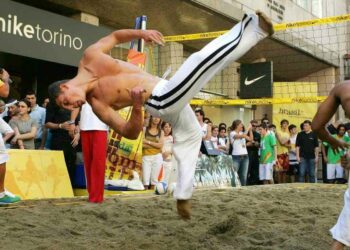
x=168 y=170
x=266 y=171
x=169 y=99
x=341 y=230
x=151 y=166
x=334 y=171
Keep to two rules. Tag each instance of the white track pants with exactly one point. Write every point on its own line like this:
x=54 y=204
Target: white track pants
x=169 y=99
x=341 y=230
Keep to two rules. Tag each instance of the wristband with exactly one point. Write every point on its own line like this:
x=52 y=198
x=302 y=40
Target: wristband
x=60 y=125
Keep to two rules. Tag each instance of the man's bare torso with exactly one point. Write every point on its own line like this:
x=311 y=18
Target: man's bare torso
x=112 y=80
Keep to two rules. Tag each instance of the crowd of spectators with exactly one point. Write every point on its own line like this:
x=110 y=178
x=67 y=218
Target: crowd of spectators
x=264 y=154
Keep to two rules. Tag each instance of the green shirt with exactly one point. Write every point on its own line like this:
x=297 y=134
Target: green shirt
x=333 y=157
x=267 y=150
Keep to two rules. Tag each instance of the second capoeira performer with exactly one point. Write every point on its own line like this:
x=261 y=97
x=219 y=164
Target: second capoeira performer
x=109 y=85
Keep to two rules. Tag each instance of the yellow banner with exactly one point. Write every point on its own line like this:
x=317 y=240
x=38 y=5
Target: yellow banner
x=277 y=27
x=262 y=101
x=38 y=174
x=298 y=112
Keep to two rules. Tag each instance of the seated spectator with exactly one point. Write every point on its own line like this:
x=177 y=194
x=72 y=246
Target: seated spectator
x=25 y=127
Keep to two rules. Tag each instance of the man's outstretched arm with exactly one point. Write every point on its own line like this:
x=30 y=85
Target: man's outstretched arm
x=129 y=129
x=324 y=113
x=122 y=36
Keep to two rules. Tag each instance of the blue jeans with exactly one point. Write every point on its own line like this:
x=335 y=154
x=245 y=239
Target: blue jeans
x=241 y=163
x=307 y=166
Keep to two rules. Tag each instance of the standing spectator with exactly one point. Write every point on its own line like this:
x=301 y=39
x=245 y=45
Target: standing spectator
x=94 y=144
x=6 y=197
x=38 y=114
x=293 y=162
x=152 y=152
x=25 y=127
x=45 y=103
x=283 y=143
x=205 y=128
x=238 y=140
x=167 y=151
x=223 y=141
x=265 y=120
x=335 y=172
x=65 y=136
x=268 y=155
x=307 y=152
x=214 y=136
x=222 y=125
x=253 y=155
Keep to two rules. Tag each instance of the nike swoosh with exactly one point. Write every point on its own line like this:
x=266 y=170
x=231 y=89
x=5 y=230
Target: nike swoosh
x=246 y=82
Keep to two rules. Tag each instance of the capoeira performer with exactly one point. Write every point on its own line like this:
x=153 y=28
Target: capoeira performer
x=109 y=85
x=339 y=95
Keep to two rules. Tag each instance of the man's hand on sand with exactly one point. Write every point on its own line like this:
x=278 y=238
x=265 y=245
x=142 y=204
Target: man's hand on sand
x=153 y=37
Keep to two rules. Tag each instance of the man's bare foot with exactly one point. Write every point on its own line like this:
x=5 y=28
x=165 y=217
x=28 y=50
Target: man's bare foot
x=184 y=209
x=337 y=245
x=265 y=22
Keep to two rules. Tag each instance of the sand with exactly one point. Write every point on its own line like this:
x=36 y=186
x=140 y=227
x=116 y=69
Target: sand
x=292 y=216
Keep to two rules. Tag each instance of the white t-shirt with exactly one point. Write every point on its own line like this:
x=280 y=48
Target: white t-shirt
x=293 y=139
x=168 y=146
x=204 y=129
x=239 y=145
x=4 y=129
x=89 y=121
x=215 y=142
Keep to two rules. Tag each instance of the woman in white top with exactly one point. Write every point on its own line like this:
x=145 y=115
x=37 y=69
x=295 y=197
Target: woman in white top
x=238 y=141
x=167 y=151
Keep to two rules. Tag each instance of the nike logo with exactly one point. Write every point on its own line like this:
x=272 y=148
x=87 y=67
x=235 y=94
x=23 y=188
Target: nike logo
x=246 y=82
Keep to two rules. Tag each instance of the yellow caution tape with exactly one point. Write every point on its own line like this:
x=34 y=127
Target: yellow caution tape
x=277 y=27
x=263 y=101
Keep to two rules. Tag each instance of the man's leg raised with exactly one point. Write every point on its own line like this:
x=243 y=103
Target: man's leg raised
x=201 y=66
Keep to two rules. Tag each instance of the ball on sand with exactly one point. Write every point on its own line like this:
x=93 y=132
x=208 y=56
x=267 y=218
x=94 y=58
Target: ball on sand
x=160 y=188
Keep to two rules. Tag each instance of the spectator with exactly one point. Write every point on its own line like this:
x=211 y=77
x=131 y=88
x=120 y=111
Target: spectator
x=239 y=149
x=268 y=155
x=205 y=128
x=265 y=120
x=283 y=144
x=12 y=111
x=307 y=152
x=335 y=172
x=272 y=129
x=152 y=152
x=293 y=163
x=25 y=127
x=222 y=125
x=94 y=144
x=214 y=136
x=167 y=151
x=64 y=135
x=45 y=103
x=223 y=141
x=253 y=155
x=6 y=197
x=207 y=120
x=38 y=114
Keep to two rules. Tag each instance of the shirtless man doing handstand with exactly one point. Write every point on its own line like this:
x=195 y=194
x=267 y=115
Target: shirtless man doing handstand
x=109 y=85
